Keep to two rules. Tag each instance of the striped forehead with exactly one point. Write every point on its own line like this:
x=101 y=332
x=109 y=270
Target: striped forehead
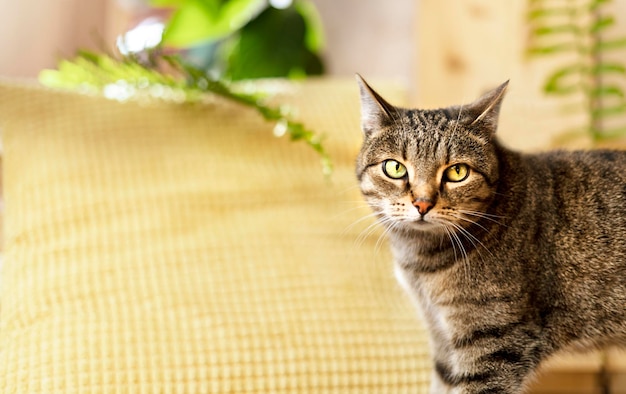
x=428 y=136
x=428 y=119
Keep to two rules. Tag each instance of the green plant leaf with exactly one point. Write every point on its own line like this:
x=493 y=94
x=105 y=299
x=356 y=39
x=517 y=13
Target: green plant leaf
x=608 y=134
x=619 y=43
x=272 y=45
x=314 y=36
x=551 y=49
x=541 y=13
x=546 y=20
x=94 y=73
x=91 y=73
x=608 y=68
x=602 y=23
x=595 y=4
x=167 y=3
x=190 y=24
x=604 y=112
x=237 y=13
x=197 y=21
x=557 y=82
x=550 y=30
x=608 y=91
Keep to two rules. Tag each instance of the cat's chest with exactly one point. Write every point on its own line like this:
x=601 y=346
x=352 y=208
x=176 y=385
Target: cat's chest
x=432 y=295
x=429 y=277
x=435 y=289
x=453 y=302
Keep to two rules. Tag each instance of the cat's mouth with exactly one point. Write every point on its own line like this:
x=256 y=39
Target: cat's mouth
x=422 y=224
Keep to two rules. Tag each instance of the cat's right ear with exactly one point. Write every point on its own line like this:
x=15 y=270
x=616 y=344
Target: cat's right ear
x=375 y=111
x=485 y=110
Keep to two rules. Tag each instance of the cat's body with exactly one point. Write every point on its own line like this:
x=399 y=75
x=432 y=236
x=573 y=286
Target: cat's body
x=510 y=257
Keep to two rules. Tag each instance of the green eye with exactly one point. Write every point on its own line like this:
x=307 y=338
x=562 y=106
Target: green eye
x=457 y=172
x=394 y=169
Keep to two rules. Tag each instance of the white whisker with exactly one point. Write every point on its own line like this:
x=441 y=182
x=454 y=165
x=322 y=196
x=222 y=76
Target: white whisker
x=349 y=211
x=465 y=259
x=448 y=233
x=460 y=217
x=360 y=220
x=470 y=237
x=382 y=237
x=483 y=215
x=369 y=230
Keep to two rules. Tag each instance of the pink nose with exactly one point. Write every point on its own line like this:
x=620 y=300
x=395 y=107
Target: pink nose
x=423 y=206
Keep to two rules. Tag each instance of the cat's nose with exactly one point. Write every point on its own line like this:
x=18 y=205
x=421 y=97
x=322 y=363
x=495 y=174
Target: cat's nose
x=423 y=206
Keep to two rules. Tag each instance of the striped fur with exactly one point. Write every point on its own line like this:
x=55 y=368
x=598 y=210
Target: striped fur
x=523 y=257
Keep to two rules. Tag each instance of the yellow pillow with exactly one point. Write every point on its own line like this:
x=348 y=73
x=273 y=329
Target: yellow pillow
x=153 y=247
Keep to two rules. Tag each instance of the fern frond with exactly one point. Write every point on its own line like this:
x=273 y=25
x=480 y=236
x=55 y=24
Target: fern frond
x=168 y=77
x=577 y=28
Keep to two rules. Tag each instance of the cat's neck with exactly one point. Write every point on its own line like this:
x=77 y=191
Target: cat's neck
x=422 y=252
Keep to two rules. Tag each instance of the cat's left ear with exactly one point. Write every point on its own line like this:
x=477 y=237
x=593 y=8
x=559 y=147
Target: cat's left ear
x=484 y=111
x=375 y=111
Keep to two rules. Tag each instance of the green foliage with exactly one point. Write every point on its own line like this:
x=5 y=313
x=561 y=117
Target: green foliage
x=262 y=48
x=248 y=38
x=196 y=21
x=127 y=78
x=578 y=28
x=91 y=73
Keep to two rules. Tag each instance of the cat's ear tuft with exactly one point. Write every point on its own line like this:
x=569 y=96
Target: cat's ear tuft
x=375 y=111
x=485 y=110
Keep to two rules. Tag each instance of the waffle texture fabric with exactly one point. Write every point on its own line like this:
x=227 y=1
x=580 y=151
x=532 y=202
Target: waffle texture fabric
x=156 y=247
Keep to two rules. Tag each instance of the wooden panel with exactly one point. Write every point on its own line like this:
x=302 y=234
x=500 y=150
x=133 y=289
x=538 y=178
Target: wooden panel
x=466 y=47
x=570 y=374
x=567 y=383
x=616 y=368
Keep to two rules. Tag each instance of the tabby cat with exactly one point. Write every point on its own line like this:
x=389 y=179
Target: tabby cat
x=508 y=256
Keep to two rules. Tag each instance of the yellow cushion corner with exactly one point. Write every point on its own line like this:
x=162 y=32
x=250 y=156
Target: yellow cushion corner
x=185 y=249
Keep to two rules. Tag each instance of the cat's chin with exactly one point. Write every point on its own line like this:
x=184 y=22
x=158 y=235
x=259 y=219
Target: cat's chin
x=423 y=225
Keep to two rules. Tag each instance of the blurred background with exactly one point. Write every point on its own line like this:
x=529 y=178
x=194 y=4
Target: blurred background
x=443 y=51
x=565 y=59
x=369 y=36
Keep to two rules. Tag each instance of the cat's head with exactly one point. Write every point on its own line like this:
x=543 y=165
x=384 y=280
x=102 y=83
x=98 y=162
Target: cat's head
x=429 y=170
